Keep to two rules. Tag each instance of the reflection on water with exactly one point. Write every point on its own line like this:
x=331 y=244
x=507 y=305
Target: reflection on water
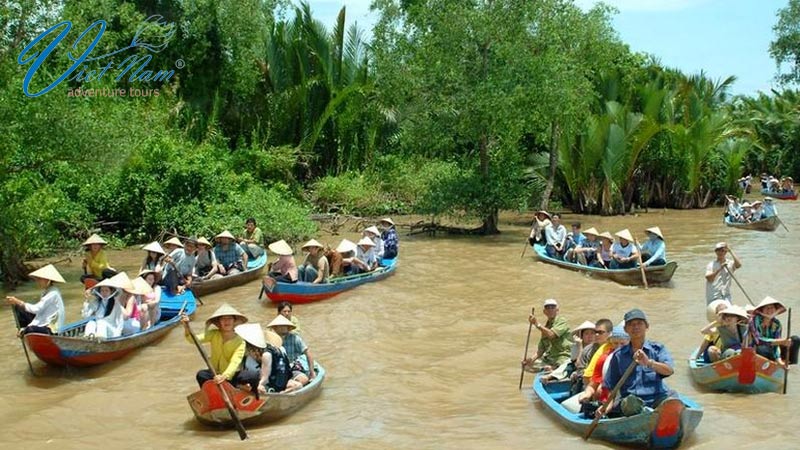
x=428 y=358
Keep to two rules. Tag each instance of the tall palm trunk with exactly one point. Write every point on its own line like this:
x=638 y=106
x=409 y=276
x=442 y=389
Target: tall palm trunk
x=555 y=132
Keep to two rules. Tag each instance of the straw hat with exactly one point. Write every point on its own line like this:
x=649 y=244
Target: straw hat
x=312 y=243
x=656 y=231
x=720 y=245
x=145 y=273
x=280 y=248
x=94 y=239
x=768 y=199
x=174 y=241
x=625 y=234
x=746 y=205
x=593 y=231
x=735 y=310
x=204 y=241
x=780 y=308
x=586 y=325
x=366 y=242
x=224 y=234
x=279 y=320
x=48 y=272
x=346 y=246
x=387 y=220
x=607 y=235
x=118 y=281
x=252 y=333
x=711 y=309
x=154 y=247
x=545 y=213
x=374 y=230
x=225 y=310
x=140 y=287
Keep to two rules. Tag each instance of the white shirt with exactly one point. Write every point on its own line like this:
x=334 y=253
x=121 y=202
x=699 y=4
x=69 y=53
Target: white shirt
x=378 y=249
x=720 y=288
x=95 y=308
x=555 y=234
x=49 y=310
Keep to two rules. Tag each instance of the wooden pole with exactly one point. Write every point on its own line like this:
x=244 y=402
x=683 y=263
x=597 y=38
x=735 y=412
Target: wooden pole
x=525 y=356
x=738 y=284
x=527 y=244
x=22 y=340
x=788 y=351
x=641 y=265
x=611 y=396
x=783 y=224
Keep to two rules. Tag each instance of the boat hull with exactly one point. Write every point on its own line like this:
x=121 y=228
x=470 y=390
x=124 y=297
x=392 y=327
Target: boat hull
x=209 y=407
x=253 y=272
x=780 y=195
x=747 y=373
x=663 y=427
x=301 y=292
x=768 y=224
x=171 y=304
x=627 y=277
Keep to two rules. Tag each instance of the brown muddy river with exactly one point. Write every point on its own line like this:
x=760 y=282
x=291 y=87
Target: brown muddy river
x=428 y=358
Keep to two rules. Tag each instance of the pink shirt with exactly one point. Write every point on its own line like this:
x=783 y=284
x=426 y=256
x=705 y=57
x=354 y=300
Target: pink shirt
x=286 y=266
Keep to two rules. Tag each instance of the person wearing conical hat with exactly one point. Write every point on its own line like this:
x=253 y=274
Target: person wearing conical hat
x=556 y=236
x=623 y=253
x=541 y=220
x=266 y=365
x=206 y=266
x=375 y=234
x=603 y=257
x=227 y=348
x=230 y=256
x=151 y=301
x=719 y=274
x=654 y=249
x=769 y=209
x=315 y=268
x=179 y=265
x=95 y=262
x=283 y=269
x=153 y=258
x=252 y=239
x=586 y=253
x=765 y=330
x=298 y=352
x=364 y=260
x=47 y=315
x=391 y=242
x=133 y=305
x=734 y=209
x=583 y=340
x=104 y=307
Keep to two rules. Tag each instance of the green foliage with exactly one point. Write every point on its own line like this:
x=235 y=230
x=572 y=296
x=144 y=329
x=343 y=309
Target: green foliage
x=785 y=49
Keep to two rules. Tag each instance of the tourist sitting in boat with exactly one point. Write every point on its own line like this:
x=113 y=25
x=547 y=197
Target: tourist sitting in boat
x=769 y=209
x=766 y=330
x=266 y=367
x=555 y=343
x=645 y=386
x=787 y=185
x=104 y=307
x=757 y=211
x=95 y=263
x=252 y=239
x=340 y=258
x=773 y=184
x=586 y=252
x=541 y=220
x=574 y=239
x=132 y=310
x=284 y=268
x=315 y=268
x=719 y=274
x=725 y=336
x=151 y=301
x=231 y=258
x=379 y=249
x=286 y=310
x=364 y=259
x=604 y=255
x=747 y=212
x=227 y=348
x=654 y=249
x=178 y=265
x=391 y=242
x=153 y=259
x=206 y=266
x=582 y=349
x=47 y=315
x=602 y=331
x=303 y=369
x=623 y=253
x=594 y=392
x=734 y=209
x=556 y=236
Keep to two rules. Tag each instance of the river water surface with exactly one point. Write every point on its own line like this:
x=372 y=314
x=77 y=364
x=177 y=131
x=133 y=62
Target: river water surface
x=428 y=358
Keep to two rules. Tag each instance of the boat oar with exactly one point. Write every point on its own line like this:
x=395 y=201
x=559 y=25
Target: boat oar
x=22 y=340
x=641 y=265
x=526 y=241
x=788 y=351
x=225 y=397
x=525 y=356
x=738 y=284
x=611 y=396
x=783 y=224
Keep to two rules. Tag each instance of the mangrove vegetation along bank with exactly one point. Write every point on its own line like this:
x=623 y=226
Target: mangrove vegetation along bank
x=453 y=108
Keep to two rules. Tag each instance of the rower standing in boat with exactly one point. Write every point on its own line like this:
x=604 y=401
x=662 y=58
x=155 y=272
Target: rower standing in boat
x=623 y=252
x=719 y=274
x=654 y=250
x=227 y=348
x=645 y=386
x=47 y=315
x=554 y=345
x=391 y=242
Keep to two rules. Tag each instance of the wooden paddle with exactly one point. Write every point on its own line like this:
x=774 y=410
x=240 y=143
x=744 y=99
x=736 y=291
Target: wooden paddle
x=782 y=224
x=611 y=396
x=738 y=284
x=22 y=340
x=788 y=351
x=527 y=244
x=641 y=265
x=525 y=356
x=222 y=391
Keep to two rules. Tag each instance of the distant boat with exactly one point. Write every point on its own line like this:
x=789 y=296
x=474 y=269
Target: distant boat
x=768 y=224
x=663 y=427
x=628 y=277
x=791 y=195
x=746 y=372
x=302 y=292
x=253 y=272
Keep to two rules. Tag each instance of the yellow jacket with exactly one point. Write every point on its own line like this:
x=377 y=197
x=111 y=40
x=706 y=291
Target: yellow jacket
x=97 y=263
x=226 y=357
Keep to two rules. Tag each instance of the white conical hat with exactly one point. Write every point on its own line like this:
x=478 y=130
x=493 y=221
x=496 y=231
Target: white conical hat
x=226 y=310
x=593 y=231
x=279 y=320
x=711 y=308
x=374 y=230
x=140 y=287
x=780 y=308
x=625 y=234
x=119 y=281
x=346 y=246
x=280 y=248
x=48 y=272
x=387 y=220
x=312 y=243
x=224 y=234
x=174 y=241
x=607 y=235
x=366 y=242
x=252 y=334
x=735 y=310
x=586 y=325
x=656 y=231
x=154 y=247
x=204 y=241
x=94 y=239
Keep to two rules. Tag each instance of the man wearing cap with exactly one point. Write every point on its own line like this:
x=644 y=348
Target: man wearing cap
x=315 y=269
x=47 y=315
x=556 y=236
x=230 y=256
x=645 y=386
x=178 y=264
x=391 y=242
x=252 y=239
x=555 y=343
x=374 y=234
x=719 y=274
x=654 y=250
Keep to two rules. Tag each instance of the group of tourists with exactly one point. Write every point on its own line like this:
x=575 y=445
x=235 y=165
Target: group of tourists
x=253 y=359
x=746 y=212
x=784 y=185
x=595 y=249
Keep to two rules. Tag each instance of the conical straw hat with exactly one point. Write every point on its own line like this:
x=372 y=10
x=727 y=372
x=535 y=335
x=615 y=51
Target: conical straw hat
x=224 y=234
x=204 y=241
x=140 y=287
x=118 y=281
x=607 y=235
x=543 y=212
x=346 y=246
x=312 y=243
x=280 y=248
x=273 y=339
x=94 y=239
x=711 y=308
x=252 y=334
x=625 y=234
x=656 y=231
x=366 y=242
x=279 y=320
x=735 y=310
x=780 y=308
x=593 y=231
x=174 y=241
x=387 y=220
x=374 y=230
x=153 y=247
x=225 y=310
x=48 y=272
x=586 y=325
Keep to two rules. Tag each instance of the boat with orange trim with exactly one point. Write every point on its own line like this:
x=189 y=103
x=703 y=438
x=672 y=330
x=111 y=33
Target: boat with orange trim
x=747 y=372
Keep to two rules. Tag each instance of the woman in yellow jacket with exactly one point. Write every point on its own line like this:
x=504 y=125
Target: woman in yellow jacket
x=227 y=348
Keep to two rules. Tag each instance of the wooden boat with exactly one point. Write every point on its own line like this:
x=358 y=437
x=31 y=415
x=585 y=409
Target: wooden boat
x=171 y=304
x=254 y=269
x=302 y=292
x=209 y=407
x=792 y=195
x=70 y=348
x=628 y=277
x=747 y=372
x=663 y=427
x=768 y=224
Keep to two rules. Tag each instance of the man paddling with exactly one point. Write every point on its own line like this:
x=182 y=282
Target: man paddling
x=555 y=344
x=719 y=274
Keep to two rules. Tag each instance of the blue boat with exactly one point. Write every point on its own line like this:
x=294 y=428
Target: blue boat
x=254 y=268
x=768 y=224
x=747 y=372
x=171 y=304
x=663 y=427
x=791 y=195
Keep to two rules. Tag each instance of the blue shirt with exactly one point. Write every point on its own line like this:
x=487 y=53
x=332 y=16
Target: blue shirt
x=769 y=210
x=656 y=248
x=294 y=346
x=391 y=243
x=643 y=382
x=230 y=256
